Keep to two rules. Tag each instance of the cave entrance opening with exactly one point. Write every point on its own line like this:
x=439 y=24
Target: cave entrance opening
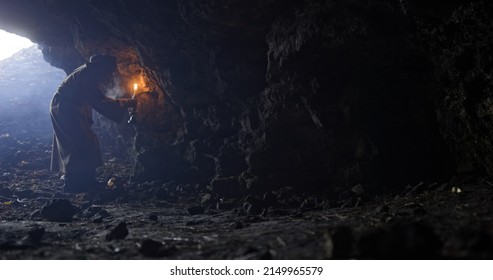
x=27 y=84
x=12 y=43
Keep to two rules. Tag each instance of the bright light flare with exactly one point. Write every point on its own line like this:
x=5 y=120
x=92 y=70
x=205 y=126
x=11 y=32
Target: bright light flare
x=11 y=43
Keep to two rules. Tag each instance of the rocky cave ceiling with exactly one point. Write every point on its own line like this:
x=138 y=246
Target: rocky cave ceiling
x=256 y=95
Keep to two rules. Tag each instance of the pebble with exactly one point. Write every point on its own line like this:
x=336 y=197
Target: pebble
x=58 y=210
x=206 y=200
x=119 y=232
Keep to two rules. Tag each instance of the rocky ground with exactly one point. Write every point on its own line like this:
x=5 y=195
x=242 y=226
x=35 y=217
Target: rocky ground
x=165 y=220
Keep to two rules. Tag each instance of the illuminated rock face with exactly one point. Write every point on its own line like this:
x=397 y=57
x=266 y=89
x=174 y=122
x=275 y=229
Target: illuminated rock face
x=266 y=94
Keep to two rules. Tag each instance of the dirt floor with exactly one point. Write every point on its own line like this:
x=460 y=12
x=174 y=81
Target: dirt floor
x=164 y=220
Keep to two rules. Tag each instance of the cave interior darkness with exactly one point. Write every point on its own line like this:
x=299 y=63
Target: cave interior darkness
x=302 y=112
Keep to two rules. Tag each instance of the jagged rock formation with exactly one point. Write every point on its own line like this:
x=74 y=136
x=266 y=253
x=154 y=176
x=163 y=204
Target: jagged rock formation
x=257 y=95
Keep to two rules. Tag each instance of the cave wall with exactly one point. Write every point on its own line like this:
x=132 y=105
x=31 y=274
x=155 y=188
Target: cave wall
x=258 y=95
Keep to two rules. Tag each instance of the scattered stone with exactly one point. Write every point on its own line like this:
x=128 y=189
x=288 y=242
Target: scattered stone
x=206 y=200
x=119 y=232
x=58 y=210
x=196 y=210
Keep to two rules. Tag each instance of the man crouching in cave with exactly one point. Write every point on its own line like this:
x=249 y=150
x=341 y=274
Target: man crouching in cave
x=76 y=152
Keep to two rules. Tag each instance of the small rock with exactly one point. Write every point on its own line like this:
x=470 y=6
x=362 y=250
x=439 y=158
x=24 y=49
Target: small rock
x=206 y=200
x=196 y=210
x=58 y=210
x=119 y=232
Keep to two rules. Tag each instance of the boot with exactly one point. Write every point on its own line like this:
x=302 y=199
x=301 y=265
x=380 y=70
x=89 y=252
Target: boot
x=82 y=181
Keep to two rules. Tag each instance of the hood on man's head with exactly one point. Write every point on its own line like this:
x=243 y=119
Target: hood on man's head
x=102 y=61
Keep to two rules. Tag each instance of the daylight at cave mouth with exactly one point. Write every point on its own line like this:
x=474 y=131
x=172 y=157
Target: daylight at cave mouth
x=280 y=130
